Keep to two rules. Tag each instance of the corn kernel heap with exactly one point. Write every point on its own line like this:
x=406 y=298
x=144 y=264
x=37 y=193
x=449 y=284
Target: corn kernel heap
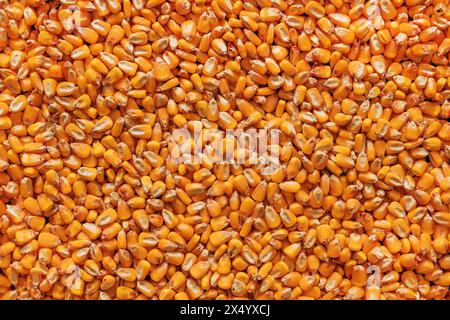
x=92 y=207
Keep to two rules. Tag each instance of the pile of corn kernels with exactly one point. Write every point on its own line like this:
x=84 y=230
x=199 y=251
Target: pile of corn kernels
x=93 y=207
